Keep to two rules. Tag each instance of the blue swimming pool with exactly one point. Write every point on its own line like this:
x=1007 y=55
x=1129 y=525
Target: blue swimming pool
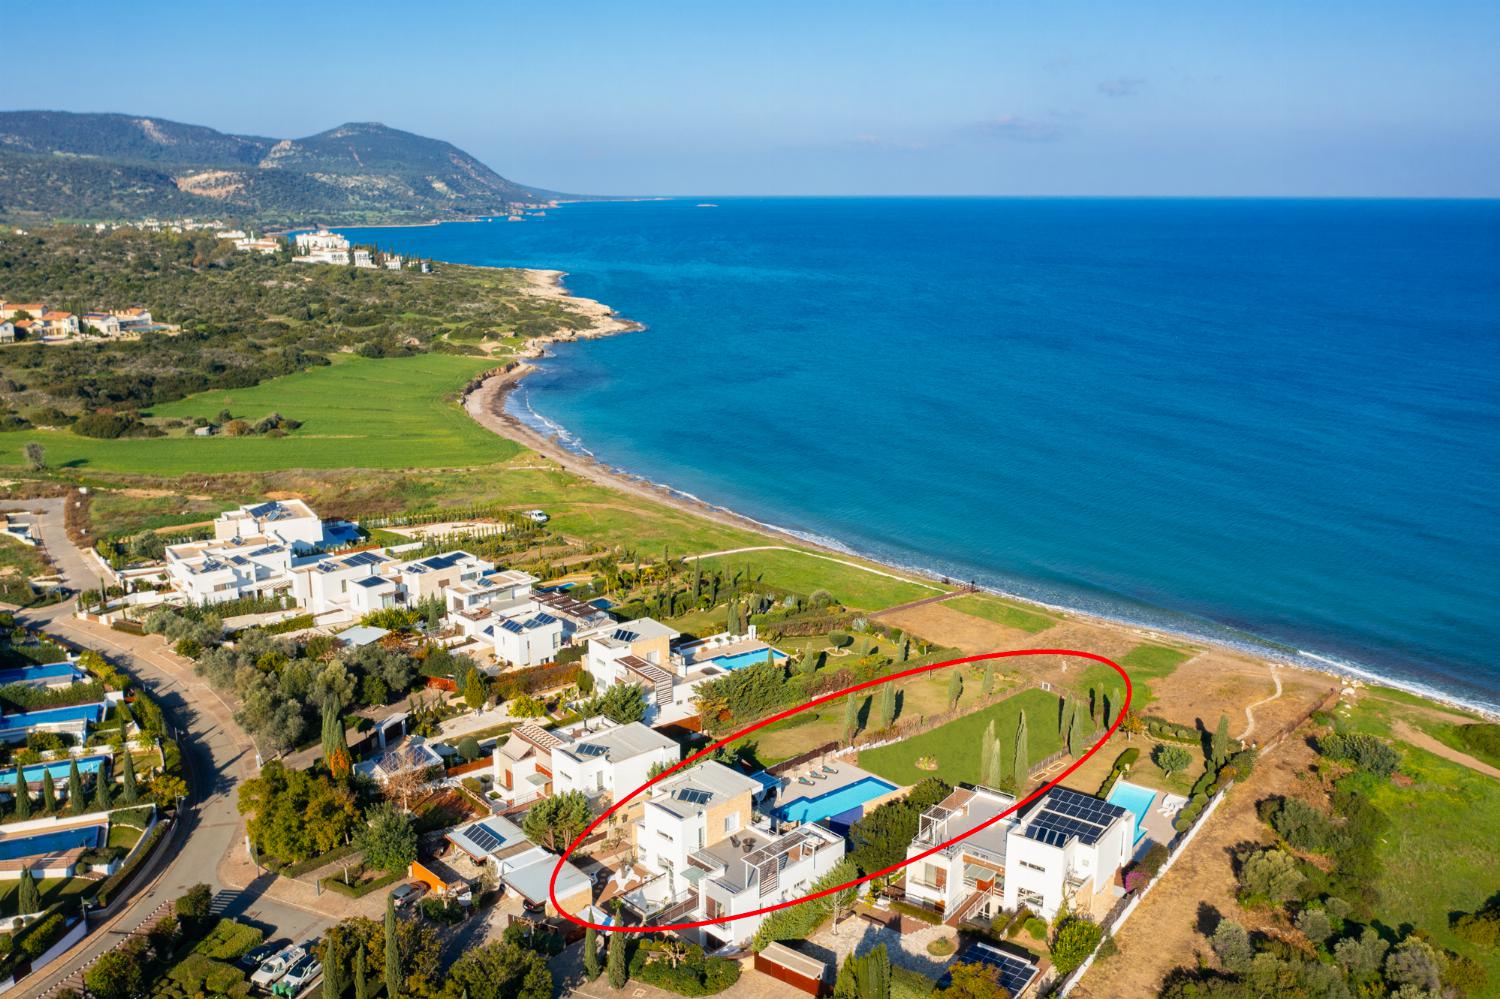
x=815 y=808
x=1134 y=799
x=49 y=842
x=38 y=674
x=26 y=720
x=57 y=770
x=743 y=659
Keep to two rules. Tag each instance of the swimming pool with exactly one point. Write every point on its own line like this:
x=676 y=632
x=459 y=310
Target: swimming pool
x=814 y=809
x=742 y=659
x=57 y=841
x=27 y=720
x=57 y=770
x=1134 y=799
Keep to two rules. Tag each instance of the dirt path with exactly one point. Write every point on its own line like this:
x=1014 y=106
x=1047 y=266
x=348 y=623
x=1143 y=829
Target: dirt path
x=1422 y=740
x=1250 y=708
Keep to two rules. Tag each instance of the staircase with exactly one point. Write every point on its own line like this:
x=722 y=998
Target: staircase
x=965 y=909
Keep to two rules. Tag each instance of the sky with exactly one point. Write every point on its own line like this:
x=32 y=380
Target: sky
x=1323 y=98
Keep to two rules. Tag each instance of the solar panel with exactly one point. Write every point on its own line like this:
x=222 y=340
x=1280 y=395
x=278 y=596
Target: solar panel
x=625 y=636
x=693 y=796
x=1043 y=834
x=1015 y=974
x=483 y=838
x=363 y=558
x=590 y=749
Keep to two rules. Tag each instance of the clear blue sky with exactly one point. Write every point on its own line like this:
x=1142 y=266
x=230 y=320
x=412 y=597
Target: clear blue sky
x=1314 y=97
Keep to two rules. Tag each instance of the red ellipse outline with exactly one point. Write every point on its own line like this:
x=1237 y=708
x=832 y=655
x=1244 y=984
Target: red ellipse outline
x=824 y=699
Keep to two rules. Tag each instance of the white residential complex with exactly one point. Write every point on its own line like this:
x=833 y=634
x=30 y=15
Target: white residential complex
x=321 y=247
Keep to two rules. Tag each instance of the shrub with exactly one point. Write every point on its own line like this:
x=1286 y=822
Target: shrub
x=229 y=940
x=1035 y=927
x=1365 y=752
x=1172 y=759
x=1075 y=940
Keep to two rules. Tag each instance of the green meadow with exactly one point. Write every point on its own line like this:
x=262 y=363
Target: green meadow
x=1003 y=612
x=355 y=413
x=955 y=746
x=804 y=572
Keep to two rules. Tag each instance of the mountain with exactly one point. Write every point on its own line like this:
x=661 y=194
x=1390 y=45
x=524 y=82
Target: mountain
x=61 y=165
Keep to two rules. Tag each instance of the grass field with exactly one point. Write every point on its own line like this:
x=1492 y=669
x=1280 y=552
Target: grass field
x=356 y=413
x=955 y=745
x=1145 y=663
x=804 y=573
x=1003 y=612
x=19 y=563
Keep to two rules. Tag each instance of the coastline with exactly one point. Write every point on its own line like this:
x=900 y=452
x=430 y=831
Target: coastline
x=485 y=403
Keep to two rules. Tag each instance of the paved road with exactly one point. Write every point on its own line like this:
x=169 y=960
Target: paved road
x=216 y=751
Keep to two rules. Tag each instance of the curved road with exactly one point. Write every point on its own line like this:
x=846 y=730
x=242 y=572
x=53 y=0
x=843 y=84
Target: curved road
x=216 y=751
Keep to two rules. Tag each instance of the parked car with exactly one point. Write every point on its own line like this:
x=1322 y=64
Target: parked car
x=408 y=893
x=256 y=956
x=299 y=976
x=275 y=966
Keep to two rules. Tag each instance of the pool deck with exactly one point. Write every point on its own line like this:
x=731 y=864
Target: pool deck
x=847 y=774
x=56 y=859
x=699 y=654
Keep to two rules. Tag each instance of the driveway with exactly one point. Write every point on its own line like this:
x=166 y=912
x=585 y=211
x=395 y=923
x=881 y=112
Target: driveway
x=216 y=751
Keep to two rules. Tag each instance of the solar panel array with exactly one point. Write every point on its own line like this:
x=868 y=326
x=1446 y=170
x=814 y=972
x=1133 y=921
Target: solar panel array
x=1067 y=814
x=483 y=838
x=693 y=796
x=363 y=558
x=590 y=749
x=623 y=635
x=1015 y=974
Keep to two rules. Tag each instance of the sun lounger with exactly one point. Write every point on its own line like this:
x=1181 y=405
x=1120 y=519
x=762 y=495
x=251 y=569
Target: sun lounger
x=830 y=770
x=804 y=780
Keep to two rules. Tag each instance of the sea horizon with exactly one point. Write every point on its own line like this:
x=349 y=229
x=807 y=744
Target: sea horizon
x=589 y=394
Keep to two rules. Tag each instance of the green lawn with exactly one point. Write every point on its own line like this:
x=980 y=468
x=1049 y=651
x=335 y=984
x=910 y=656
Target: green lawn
x=1438 y=856
x=955 y=745
x=1144 y=663
x=803 y=572
x=356 y=413
x=52 y=890
x=19 y=563
x=1004 y=612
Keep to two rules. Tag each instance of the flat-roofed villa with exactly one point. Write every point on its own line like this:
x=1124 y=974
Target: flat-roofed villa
x=1067 y=846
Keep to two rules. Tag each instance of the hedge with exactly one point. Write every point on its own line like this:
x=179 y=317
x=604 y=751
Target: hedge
x=335 y=882
x=229 y=940
x=111 y=885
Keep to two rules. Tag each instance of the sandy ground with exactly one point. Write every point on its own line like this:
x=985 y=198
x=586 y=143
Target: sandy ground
x=1420 y=739
x=1169 y=929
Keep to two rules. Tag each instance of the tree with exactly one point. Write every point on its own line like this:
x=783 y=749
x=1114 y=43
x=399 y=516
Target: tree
x=1315 y=925
x=619 y=974
x=1077 y=740
x=29 y=899
x=1414 y=963
x=23 y=794
x=36 y=456
x=297 y=814
x=166 y=790
x=194 y=906
x=885 y=707
x=392 y=952
x=119 y=973
x=361 y=973
x=987 y=685
x=973 y=980
x=591 y=966
x=1065 y=718
x=468 y=749
x=557 y=821
x=76 y=803
x=131 y=793
x=103 y=788
x=809 y=662
x=335 y=744
x=1074 y=941
x=865 y=976
x=624 y=703
x=1021 y=764
x=880 y=838
x=1232 y=946
x=1360 y=958
x=334 y=956
x=993 y=762
x=988 y=775
x=1271 y=874
x=1171 y=759
x=1219 y=745
x=851 y=718
x=475 y=693
x=389 y=840
x=49 y=794
x=955 y=689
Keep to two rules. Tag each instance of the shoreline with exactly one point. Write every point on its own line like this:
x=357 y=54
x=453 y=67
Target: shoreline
x=486 y=405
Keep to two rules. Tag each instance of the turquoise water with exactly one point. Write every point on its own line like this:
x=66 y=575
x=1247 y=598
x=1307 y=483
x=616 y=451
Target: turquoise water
x=743 y=659
x=57 y=770
x=814 y=809
x=50 y=842
x=1254 y=420
x=1134 y=799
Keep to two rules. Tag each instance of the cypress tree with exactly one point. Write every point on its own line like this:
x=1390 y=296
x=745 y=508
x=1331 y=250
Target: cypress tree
x=392 y=952
x=851 y=719
x=23 y=794
x=591 y=954
x=1022 y=763
x=361 y=974
x=988 y=686
x=987 y=776
x=335 y=965
x=76 y=803
x=1076 y=735
x=904 y=651
x=955 y=689
x=29 y=899
x=619 y=974
x=132 y=793
x=103 y=786
x=885 y=701
x=1219 y=746
x=49 y=794
x=992 y=761
x=1065 y=718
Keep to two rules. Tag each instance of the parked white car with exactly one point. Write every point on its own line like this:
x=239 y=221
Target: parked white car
x=299 y=977
x=277 y=965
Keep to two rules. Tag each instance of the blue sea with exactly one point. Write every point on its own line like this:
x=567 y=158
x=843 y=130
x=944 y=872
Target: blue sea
x=1260 y=421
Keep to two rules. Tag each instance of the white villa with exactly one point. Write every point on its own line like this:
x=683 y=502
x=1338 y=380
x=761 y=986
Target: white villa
x=321 y=247
x=1066 y=847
